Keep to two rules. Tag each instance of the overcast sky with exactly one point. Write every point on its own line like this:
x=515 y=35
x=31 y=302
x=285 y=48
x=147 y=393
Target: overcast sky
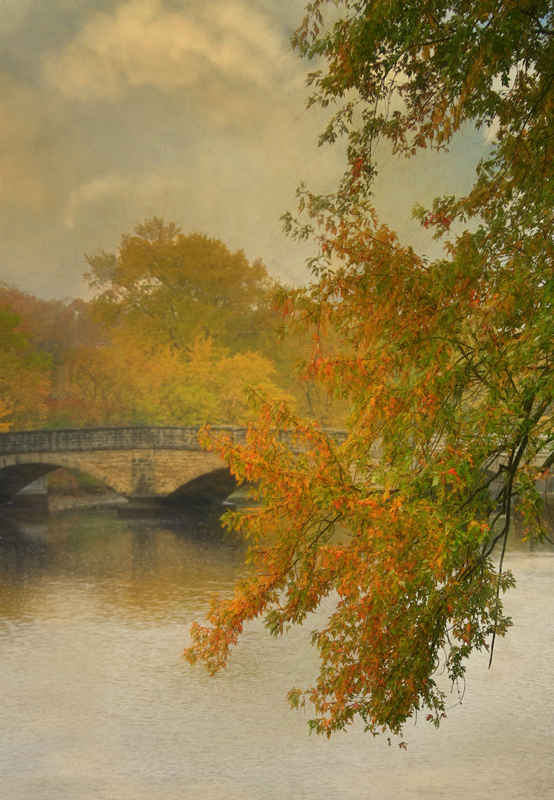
x=114 y=111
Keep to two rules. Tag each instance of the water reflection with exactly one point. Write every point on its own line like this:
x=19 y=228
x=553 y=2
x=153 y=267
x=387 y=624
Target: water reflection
x=97 y=702
x=142 y=567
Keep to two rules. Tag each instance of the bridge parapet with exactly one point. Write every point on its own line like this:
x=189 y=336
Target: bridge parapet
x=81 y=439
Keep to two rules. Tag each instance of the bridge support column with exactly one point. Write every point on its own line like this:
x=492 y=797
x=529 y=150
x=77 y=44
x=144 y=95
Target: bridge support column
x=142 y=475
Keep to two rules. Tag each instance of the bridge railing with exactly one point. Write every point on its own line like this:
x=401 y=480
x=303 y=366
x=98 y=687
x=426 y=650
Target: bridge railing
x=136 y=438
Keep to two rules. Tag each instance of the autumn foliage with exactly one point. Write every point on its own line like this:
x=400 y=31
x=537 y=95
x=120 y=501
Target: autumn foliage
x=178 y=328
x=24 y=375
x=446 y=365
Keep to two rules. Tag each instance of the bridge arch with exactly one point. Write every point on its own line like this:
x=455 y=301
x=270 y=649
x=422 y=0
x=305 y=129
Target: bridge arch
x=16 y=474
x=209 y=487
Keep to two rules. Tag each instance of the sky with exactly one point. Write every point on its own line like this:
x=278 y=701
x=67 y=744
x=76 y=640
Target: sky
x=115 y=111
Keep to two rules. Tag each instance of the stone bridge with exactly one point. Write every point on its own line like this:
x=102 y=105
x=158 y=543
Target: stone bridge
x=148 y=464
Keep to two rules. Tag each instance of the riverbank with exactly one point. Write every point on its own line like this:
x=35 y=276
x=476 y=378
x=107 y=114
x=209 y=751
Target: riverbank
x=86 y=502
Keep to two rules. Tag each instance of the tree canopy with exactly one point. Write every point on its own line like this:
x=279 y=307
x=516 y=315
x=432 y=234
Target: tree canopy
x=24 y=375
x=167 y=299
x=179 y=327
x=171 y=289
x=446 y=363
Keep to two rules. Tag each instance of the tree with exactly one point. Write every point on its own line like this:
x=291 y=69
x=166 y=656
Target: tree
x=55 y=326
x=447 y=364
x=128 y=384
x=167 y=288
x=211 y=385
x=24 y=376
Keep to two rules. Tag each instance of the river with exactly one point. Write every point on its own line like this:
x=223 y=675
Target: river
x=97 y=703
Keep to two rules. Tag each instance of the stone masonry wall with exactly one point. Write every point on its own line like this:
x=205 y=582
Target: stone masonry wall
x=138 y=473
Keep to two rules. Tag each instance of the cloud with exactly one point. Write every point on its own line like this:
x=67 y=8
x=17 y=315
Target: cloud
x=96 y=192
x=14 y=15
x=24 y=147
x=221 y=54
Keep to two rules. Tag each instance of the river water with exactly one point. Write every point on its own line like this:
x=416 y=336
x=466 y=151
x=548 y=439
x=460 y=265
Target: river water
x=97 y=703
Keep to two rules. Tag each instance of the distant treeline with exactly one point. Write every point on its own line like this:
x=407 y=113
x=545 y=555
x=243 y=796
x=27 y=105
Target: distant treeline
x=178 y=328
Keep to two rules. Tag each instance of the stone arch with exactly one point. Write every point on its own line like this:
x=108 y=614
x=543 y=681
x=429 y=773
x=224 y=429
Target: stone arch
x=16 y=472
x=16 y=477
x=210 y=487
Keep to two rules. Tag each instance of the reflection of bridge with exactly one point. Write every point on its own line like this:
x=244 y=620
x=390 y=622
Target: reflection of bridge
x=165 y=464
